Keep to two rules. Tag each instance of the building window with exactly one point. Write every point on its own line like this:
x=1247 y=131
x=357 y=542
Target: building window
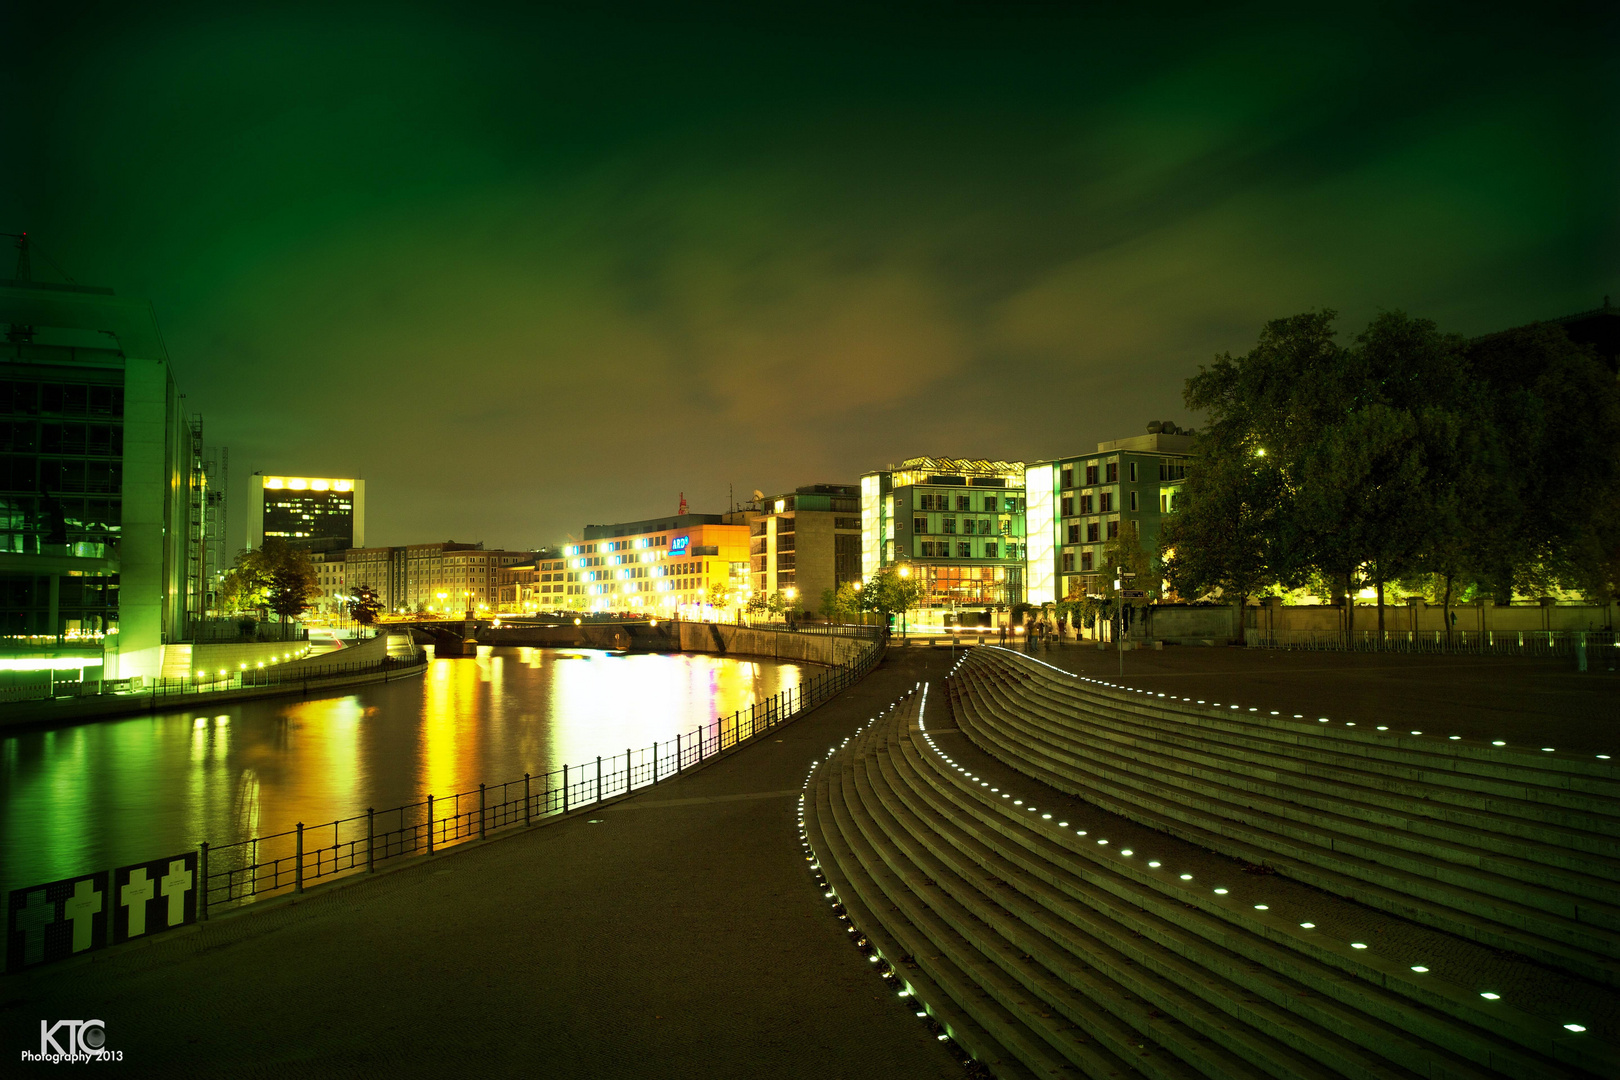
x=1068 y=562
x=1105 y=502
x=1074 y=533
x=1068 y=478
x=1068 y=506
x=1085 y=504
x=1091 y=474
x=964 y=502
x=964 y=549
x=991 y=503
x=1133 y=494
x=928 y=549
x=1113 y=472
x=1092 y=530
x=992 y=550
x=1133 y=472
x=948 y=524
x=919 y=525
x=1113 y=529
x=1085 y=560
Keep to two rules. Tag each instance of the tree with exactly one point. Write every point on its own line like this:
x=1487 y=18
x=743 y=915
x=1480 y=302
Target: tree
x=718 y=596
x=890 y=593
x=364 y=605
x=840 y=604
x=275 y=575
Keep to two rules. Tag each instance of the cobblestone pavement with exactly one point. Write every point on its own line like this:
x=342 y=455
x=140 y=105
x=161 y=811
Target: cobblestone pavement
x=1524 y=702
x=673 y=934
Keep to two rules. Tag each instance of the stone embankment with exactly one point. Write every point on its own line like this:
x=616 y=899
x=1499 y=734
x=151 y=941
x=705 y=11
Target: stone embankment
x=1075 y=876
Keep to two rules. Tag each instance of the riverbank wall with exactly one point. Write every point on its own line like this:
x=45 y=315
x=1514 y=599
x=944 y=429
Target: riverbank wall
x=676 y=636
x=386 y=658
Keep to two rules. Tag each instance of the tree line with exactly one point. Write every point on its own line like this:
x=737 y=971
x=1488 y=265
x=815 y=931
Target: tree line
x=1482 y=467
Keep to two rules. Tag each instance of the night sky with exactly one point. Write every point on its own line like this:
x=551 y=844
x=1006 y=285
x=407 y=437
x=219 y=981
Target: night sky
x=528 y=271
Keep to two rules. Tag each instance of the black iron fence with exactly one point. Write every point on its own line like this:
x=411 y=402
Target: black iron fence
x=240 y=872
x=231 y=630
x=868 y=633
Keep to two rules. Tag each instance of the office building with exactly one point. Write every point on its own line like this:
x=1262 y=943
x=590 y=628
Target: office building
x=676 y=565
x=957 y=525
x=1080 y=505
x=100 y=554
x=437 y=578
x=309 y=512
x=331 y=581
x=807 y=541
x=535 y=584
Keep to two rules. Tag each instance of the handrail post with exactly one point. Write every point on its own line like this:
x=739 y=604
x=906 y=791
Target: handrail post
x=298 y=873
x=526 y=820
x=202 y=881
x=655 y=762
x=629 y=771
x=371 y=840
x=480 y=811
x=565 y=788
x=678 y=762
x=598 y=777
x=430 y=824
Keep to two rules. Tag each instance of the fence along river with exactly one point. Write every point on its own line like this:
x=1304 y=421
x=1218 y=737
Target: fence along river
x=81 y=798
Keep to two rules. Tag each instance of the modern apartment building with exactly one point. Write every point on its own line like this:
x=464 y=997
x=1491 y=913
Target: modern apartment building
x=311 y=512
x=102 y=537
x=661 y=566
x=1080 y=505
x=957 y=524
x=807 y=541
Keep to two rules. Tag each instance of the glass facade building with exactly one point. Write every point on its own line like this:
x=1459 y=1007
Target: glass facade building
x=314 y=513
x=101 y=531
x=958 y=525
x=669 y=566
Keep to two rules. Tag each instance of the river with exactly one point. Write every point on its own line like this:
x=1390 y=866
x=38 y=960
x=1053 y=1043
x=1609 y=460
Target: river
x=96 y=796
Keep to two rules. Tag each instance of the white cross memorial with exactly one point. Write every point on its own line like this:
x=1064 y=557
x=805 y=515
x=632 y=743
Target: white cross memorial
x=176 y=883
x=82 y=907
x=134 y=896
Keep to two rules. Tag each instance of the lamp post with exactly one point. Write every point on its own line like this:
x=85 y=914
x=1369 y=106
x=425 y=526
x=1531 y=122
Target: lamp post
x=905 y=572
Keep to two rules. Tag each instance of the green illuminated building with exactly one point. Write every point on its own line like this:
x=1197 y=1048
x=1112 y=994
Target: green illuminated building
x=102 y=484
x=957 y=524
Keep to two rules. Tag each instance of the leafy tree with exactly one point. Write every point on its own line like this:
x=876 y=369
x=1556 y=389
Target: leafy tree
x=890 y=593
x=364 y=604
x=275 y=575
x=841 y=604
x=718 y=596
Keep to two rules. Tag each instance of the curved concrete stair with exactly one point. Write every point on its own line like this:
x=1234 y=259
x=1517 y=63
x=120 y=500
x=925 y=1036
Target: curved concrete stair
x=1249 y=788
x=1039 y=932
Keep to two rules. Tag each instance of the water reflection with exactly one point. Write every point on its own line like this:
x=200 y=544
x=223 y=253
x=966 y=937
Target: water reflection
x=107 y=794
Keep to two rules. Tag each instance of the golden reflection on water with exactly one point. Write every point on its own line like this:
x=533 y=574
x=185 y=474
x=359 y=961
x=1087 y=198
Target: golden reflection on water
x=101 y=795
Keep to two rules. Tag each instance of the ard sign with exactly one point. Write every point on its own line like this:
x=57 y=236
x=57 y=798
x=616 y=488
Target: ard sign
x=677 y=546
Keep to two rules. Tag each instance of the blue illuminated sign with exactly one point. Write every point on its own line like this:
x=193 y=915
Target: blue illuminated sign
x=677 y=546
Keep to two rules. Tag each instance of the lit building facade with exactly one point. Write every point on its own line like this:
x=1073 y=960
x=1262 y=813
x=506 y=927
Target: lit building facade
x=331 y=579
x=807 y=541
x=437 y=578
x=957 y=524
x=1078 y=506
x=663 y=566
x=536 y=584
x=313 y=513
x=102 y=539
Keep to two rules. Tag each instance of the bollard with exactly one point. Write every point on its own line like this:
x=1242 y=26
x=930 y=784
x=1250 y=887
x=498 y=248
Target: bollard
x=202 y=881
x=565 y=789
x=526 y=820
x=298 y=874
x=430 y=824
x=599 y=778
x=480 y=811
x=371 y=840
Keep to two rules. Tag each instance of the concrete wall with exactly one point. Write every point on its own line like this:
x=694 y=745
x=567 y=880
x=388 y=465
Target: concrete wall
x=677 y=636
x=1190 y=625
x=179 y=661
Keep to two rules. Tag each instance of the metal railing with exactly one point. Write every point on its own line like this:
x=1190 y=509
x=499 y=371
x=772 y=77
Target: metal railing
x=160 y=690
x=241 y=872
x=854 y=630
x=1476 y=642
x=213 y=631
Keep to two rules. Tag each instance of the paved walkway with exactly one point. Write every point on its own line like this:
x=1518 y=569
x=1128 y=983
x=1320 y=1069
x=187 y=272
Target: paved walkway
x=677 y=934
x=1524 y=702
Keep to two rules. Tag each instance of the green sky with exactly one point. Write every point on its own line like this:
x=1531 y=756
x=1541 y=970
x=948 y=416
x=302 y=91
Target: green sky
x=527 y=271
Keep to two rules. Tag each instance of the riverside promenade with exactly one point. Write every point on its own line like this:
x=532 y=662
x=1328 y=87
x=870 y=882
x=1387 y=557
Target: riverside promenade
x=676 y=933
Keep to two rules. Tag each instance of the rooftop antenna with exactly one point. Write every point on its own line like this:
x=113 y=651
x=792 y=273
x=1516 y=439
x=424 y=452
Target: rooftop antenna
x=25 y=270
x=682 y=510
x=731 y=489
